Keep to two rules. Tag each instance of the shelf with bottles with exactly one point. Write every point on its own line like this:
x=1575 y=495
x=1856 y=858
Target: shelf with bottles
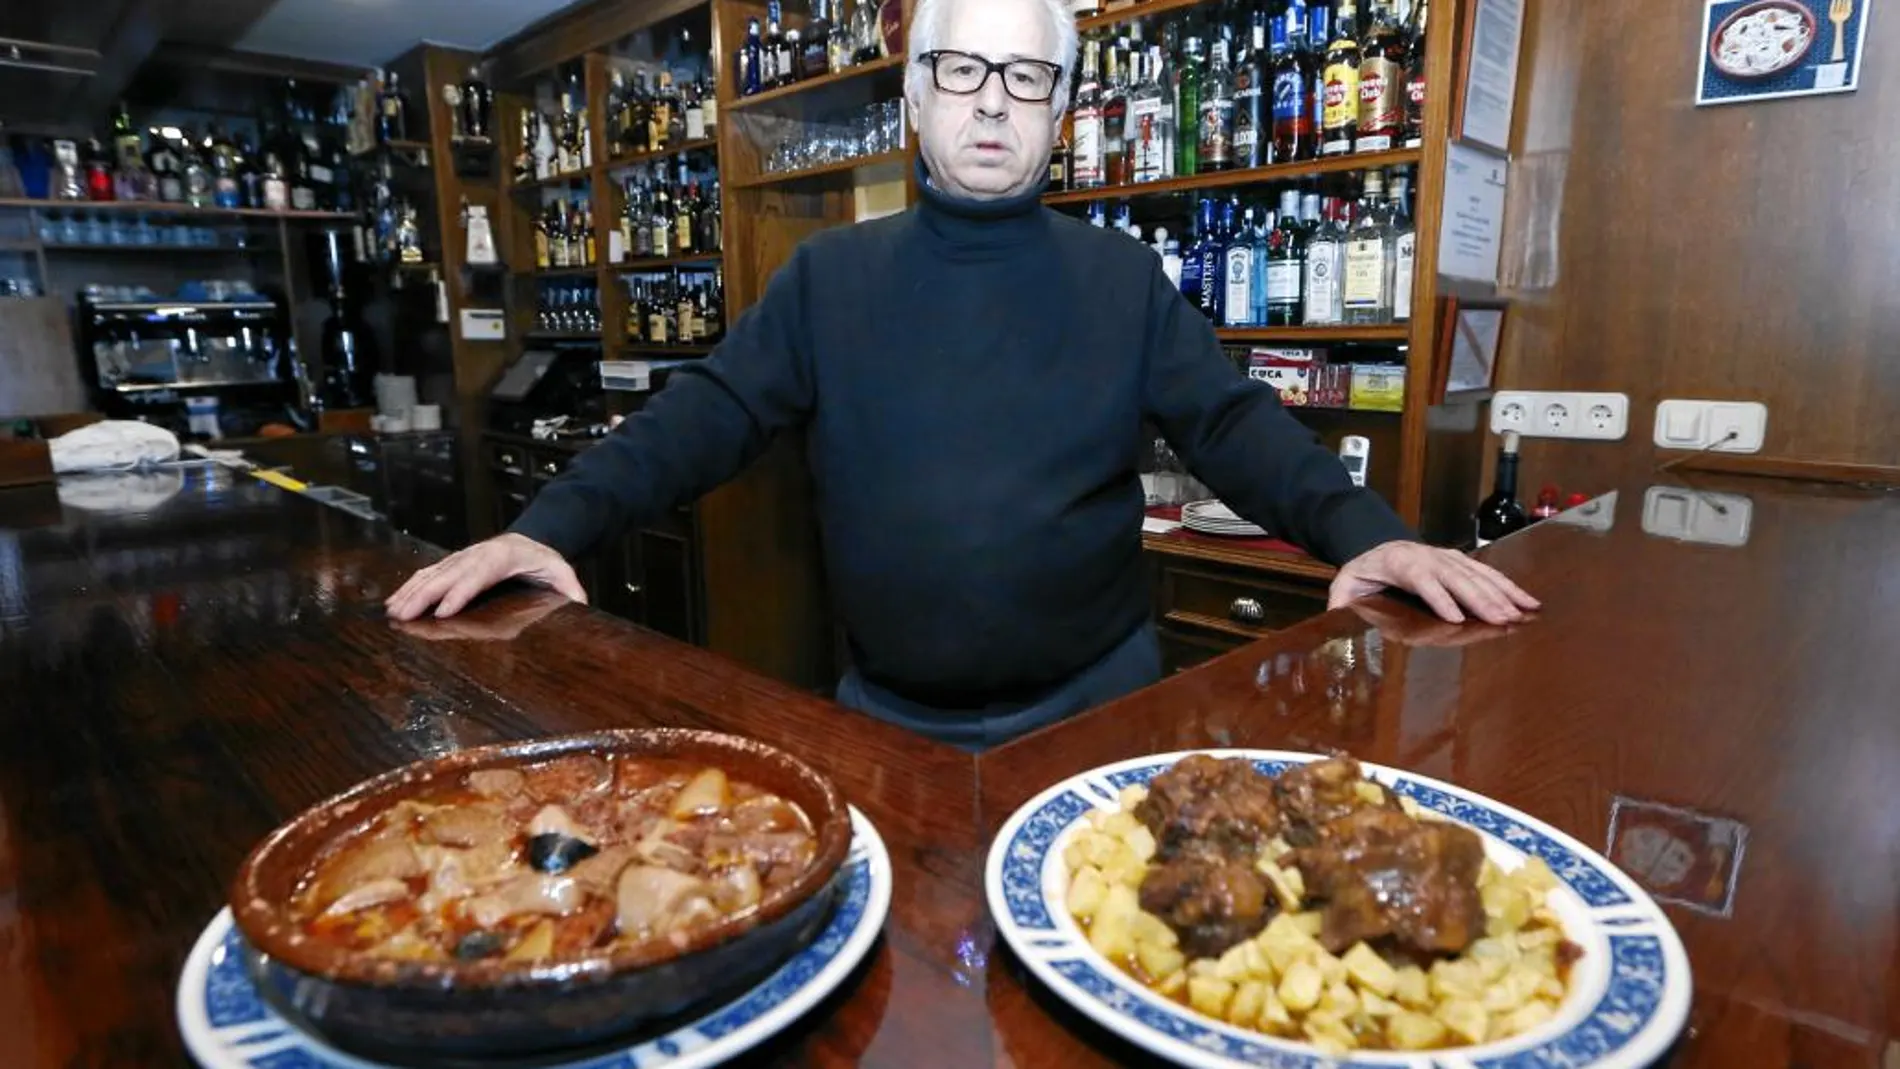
x=785 y=64
x=402 y=146
x=567 y=307
x=169 y=208
x=665 y=350
x=1303 y=335
x=1327 y=258
x=665 y=211
x=675 y=311
x=685 y=148
x=660 y=96
x=566 y=272
x=555 y=140
x=1262 y=95
x=566 y=240
x=667 y=263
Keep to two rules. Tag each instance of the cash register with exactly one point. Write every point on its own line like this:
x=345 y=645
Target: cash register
x=551 y=391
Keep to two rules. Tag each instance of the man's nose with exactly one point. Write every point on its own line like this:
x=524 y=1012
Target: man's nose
x=992 y=100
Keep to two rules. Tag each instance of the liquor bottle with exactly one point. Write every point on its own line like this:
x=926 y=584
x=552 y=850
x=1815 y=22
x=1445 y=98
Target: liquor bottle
x=1368 y=273
x=1325 y=259
x=1501 y=514
x=546 y=152
x=1147 y=149
x=659 y=315
x=392 y=111
x=1292 y=78
x=778 y=57
x=1312 y=58
x=590 y=238
x=683 y=209
x=478 y=103
x=695 y=117
x=619 y=112
x=636 y=317
x=1216 y=152
x=1060 y=160
x=524 y=153
x=1286 y=265
x=1213 y=297
x=1381 y=82
x=197 y=177
x=1402 y=232
x=839 y=44
x=276 y=188
x=1341 y=123
x=167 y=168
x=1237 y=271
x=1089 y=170
x=684 y=315
x=1252 y=116
x=867 y=38
x=250 y=176
x=751 y=56
x=709 y=101
x=1187 y=110
x=128 y=157
x=303 y=188
x=225 y=191
x=815 y=55
x=1415 y=77
x=1262 y=260
x=1115 y=122
x=675 y=110
x=1198 y=227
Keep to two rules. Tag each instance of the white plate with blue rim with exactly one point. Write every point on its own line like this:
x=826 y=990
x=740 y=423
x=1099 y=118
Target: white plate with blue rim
x=226 y=1024
x=1628 y=994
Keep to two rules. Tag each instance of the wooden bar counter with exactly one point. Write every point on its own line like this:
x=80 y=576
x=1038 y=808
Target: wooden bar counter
x=185 y=664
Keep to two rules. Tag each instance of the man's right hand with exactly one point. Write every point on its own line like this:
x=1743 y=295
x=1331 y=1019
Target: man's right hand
x=451 y=583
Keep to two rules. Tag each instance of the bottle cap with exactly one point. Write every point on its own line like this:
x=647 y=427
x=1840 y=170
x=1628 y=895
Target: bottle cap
x=1511 y=438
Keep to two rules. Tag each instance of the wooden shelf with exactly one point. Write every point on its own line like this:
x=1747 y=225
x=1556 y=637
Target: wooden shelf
x=1184 y=543
x=1129 y=14
x=634 y=159
x=170 y=250
x=798 y=92
x=555 y=335
x=823 y=170
x=158 y=207
x=648 y=348
x=1276 y=172
x=1385 y=332
x=553 y=181
x=661 y=263
x=566 y=272
x=393 y=146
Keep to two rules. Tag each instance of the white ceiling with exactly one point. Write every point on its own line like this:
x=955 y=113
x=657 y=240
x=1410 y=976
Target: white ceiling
x=370 y=33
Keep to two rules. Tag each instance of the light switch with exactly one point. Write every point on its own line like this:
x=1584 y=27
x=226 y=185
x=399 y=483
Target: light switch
x=1682 y=424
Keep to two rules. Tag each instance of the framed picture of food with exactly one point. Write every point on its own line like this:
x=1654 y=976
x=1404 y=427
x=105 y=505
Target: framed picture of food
x=1769 y=49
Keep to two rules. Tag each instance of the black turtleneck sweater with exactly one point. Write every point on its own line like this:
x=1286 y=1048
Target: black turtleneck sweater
x=971 y=379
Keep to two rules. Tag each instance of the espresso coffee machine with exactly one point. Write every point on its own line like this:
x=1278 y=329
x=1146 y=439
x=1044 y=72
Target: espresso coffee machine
x=157 y=360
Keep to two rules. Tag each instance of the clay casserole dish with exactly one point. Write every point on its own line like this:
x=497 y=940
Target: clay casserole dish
x=487 y=1008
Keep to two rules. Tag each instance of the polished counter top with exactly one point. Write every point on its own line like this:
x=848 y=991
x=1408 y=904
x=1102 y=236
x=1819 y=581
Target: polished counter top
x=189 y=661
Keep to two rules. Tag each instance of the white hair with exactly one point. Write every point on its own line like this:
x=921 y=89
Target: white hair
x=927 y=21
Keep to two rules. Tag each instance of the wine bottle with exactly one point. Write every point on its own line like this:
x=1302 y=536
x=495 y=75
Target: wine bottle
x=1501 y=513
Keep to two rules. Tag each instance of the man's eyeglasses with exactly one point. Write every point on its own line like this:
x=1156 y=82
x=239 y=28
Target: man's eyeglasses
x=1031 y=81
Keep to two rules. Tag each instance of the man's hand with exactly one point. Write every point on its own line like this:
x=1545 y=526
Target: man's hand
x=452 y=582
x=1444 y=578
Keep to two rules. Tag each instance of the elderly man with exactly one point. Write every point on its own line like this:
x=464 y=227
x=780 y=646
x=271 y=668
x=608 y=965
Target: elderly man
x=971 y=378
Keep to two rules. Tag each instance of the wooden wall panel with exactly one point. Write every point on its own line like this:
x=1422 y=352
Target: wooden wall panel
x=1747 y=252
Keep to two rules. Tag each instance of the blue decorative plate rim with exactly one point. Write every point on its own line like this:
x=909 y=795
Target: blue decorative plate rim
x=227 y=1025
x=1641 y=1006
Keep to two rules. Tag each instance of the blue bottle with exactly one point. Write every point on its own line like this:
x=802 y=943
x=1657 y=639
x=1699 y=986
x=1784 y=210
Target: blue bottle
x=1191 y=256
x=1259 y=248
x=1214 y=242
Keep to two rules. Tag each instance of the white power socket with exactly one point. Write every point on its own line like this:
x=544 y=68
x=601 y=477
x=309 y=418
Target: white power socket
x=1593 y=417
x=1718 y=426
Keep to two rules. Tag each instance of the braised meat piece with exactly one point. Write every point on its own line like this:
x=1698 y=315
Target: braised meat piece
x=1378 y=873
x=1208 y=806
x=1211 y=903
x=1313 y=795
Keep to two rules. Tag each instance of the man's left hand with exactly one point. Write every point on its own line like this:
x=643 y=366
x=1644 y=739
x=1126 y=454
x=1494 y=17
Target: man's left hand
x=1448 y=581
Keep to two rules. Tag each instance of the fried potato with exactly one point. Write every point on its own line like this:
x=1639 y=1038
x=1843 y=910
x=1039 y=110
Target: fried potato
x=1283 y=982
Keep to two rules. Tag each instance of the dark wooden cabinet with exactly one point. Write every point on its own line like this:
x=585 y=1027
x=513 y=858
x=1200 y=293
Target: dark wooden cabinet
x=651 y=576
x=1205 y=608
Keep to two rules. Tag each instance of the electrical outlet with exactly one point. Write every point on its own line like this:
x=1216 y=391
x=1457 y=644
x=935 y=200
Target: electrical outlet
x=1718 y=426
x=1601 y=417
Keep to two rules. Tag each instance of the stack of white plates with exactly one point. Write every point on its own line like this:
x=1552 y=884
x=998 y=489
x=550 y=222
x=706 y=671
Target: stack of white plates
x=1212 y=517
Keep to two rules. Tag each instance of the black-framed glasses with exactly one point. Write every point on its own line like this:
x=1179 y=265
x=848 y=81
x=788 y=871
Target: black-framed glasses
x=1032 y=81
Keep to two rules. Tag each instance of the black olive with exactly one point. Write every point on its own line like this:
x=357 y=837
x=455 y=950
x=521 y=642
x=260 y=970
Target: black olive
x=553 y=852
x=478 y=944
